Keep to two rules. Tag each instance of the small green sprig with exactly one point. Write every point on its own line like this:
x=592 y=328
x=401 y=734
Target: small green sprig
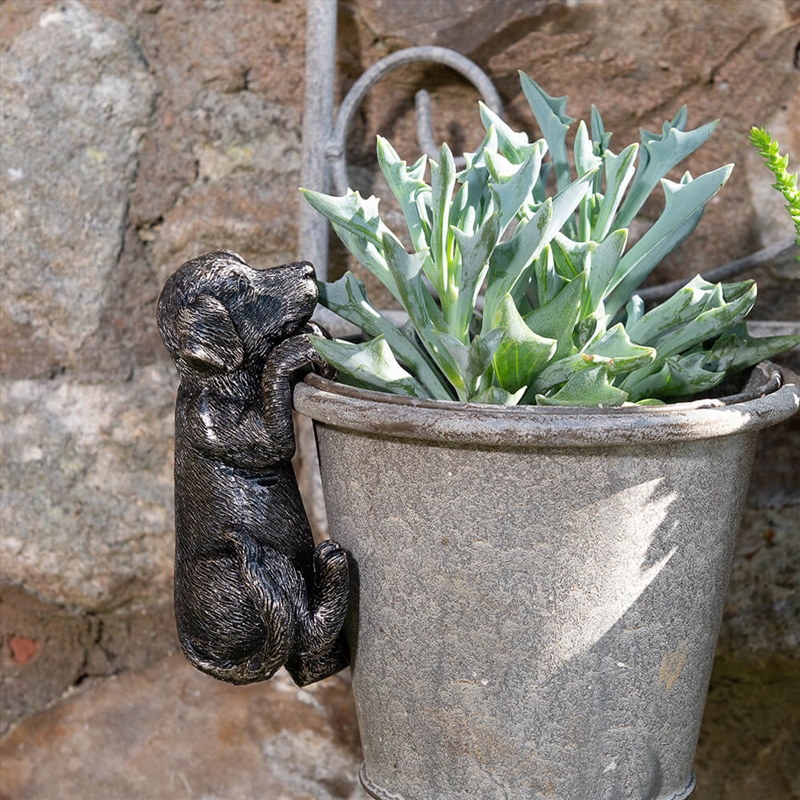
x=786 y=183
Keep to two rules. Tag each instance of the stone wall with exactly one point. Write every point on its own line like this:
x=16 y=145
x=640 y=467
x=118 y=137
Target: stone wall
x=138 y=134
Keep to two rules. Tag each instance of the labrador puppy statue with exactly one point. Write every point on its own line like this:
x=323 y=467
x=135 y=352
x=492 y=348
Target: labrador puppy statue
x=252 y=593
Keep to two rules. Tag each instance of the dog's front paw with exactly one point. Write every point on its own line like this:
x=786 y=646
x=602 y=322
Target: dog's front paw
x=321 y=367
x=293 y=358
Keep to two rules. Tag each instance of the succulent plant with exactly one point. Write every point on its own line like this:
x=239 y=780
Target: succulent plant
x=786 y=183
x=520 y=293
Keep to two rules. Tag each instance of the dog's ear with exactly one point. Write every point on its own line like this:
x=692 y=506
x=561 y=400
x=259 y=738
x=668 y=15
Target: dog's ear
x=207 y=338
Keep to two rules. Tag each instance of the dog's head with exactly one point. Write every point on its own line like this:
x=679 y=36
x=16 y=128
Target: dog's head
x=216 y=312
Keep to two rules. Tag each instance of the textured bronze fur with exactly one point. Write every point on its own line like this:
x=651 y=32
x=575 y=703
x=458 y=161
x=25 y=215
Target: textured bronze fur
x=252 y=593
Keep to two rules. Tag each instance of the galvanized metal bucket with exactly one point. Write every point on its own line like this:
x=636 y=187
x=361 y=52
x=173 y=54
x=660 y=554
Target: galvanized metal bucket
x=537 y=592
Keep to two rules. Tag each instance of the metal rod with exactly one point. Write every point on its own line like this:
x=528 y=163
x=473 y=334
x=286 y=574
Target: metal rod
x=754 y=260
x=320 y=84
x=422 y=104
x=312 y=233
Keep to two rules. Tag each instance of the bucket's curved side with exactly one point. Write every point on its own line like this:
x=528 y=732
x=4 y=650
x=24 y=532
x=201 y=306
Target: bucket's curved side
x=544 y=622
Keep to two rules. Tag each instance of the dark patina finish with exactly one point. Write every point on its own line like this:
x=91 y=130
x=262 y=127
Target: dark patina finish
x=252 y=593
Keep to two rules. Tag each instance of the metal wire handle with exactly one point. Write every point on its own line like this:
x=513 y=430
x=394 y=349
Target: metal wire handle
x=335 y=151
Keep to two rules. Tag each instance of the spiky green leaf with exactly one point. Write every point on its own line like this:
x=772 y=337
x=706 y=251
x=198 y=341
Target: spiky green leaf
x=348 y=298
x=370 y=365
x=554 y=122
x=521 y=353
x=684 y=202
x=407 y=185
x=589 y=387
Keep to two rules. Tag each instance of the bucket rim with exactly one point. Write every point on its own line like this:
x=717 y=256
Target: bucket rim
x=771 y=396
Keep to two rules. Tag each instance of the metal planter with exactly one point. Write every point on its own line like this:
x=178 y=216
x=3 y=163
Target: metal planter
x=537 y=592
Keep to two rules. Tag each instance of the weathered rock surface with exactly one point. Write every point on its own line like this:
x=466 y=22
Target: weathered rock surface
x=750 y=737
x=46 y=651
x=42 y=652
x=171 y=731
x=87 y=489
x=246 y=152
x=77 y=98
x=221 y=159
x=762 y=612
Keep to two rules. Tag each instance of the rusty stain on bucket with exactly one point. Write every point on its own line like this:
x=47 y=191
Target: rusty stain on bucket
x=670 y=671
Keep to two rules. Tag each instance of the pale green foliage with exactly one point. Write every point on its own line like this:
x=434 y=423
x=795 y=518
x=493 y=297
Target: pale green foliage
x=560 y=323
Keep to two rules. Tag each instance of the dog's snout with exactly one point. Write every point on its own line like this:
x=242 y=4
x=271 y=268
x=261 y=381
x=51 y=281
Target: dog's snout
x=307 y=269
x=304 y=277
x=299 y=271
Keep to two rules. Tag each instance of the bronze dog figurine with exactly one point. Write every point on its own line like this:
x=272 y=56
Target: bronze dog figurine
x=251 y=591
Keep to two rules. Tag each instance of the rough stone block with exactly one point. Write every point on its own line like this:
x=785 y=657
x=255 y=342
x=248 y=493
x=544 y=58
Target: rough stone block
x=47 y=651
x=171 y=731
x=77 y=97
x=87 y=504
